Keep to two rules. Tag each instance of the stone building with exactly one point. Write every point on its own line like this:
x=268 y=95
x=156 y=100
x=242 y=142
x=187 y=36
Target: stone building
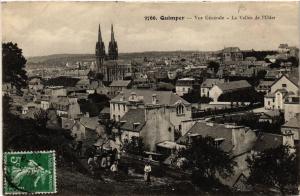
x=184 y=86
x=179 y=108
x=232 y=54
x=281 y=89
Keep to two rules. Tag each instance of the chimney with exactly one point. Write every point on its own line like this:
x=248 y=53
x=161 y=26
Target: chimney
x=288 y=138
x=133 y=96
x=154 y=99
x=122 y=98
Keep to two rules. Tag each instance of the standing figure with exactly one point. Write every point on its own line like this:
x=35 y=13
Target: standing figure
x=147 y=171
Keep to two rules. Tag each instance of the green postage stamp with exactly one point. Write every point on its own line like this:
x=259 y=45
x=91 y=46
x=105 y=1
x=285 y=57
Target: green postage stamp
x=30 y=172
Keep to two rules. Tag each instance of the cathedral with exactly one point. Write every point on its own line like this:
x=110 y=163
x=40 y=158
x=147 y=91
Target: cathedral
x=100 y=49
x=109 y=65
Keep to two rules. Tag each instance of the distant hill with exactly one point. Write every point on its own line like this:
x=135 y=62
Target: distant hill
x=63 y=58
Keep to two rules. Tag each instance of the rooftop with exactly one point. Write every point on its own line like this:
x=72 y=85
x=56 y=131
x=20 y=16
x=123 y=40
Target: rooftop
x=267 y=140
x=215 y=131
x=293 y=122
x=163 y=97
x=233 y=85
x=120 y=83
x=131 y=117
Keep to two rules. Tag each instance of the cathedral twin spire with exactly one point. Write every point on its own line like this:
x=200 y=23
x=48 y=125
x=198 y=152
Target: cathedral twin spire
x=112 y=47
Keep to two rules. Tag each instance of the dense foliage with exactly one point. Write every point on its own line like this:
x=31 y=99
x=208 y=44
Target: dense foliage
x=247 y=95
x=30 y=134
x=13 y=65
x=207 y=162
x=94 y=104
x=134 y=146
x=274 y=168
x=252 y=120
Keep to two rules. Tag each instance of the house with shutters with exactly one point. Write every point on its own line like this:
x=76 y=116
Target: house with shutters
x=281 y=90
x=152 y=115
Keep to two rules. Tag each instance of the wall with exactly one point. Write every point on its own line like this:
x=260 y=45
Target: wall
x=74 y=110
x=290 y=110
x=268 y=100
x=187 y=125
x=204 y=92
x=181 y=90
x=117 y=109
x=215 y=92
x=59 y=92
x=177 y=119
x=278 y=101
x=157 y=129
x=243 y=139
x=289 y=85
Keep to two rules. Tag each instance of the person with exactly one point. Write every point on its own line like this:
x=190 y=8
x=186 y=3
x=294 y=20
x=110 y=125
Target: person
x=90 y=162
x=147 y=171
x=103 y=162
x=114 y=167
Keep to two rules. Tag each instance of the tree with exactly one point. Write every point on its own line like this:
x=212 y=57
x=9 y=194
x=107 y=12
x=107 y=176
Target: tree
x=207 y=161
x=261 y=74
x=214 y=65
x=13 y=65
x=275 y=167
x=135 y=146
x=108 y=125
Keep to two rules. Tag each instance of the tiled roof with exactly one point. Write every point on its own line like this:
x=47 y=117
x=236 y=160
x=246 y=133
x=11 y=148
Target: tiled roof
x=215 y=131
x=89 y=122
x=131 y=117
x=234 y=85
x=122 y=83
x=267 y=140
x=231 y=49
x=105 y=110
x=163 y=97
x=208 y=83
x=293 y=122
x=265 y=83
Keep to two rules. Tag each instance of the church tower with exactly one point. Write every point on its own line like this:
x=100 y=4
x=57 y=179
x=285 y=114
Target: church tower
x=100 y=52
x=113 y=46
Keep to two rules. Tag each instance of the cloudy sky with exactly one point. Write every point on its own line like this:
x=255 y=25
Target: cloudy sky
x=42 y=28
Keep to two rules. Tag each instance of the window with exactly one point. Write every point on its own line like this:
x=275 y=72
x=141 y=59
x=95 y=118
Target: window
x=283 y=85
x=179 y=127
x=114 y=117
x=119 y=107
x=124 y=107
x=269 y=102
x=180 y=109
x=114 y=107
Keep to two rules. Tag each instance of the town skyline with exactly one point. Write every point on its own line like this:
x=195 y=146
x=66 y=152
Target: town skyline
x=71 y=28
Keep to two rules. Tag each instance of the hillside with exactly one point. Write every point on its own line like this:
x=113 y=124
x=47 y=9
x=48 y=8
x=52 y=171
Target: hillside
x=49 y=59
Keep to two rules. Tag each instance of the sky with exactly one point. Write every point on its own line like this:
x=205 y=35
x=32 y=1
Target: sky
x=44 y=28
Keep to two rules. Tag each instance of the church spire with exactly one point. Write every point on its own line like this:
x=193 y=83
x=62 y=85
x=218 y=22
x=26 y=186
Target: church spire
x=112 y=33
x=99 y=35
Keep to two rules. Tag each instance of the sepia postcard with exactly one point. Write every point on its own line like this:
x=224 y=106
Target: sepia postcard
x=150 y=98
